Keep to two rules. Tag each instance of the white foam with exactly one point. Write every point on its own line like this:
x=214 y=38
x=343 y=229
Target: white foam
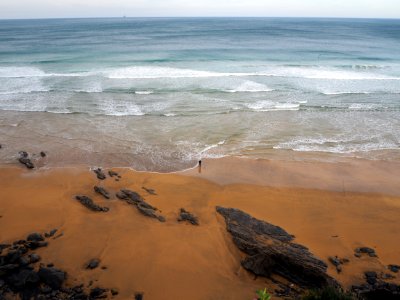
x=323 y=73
x=332 y=145
x=266 y=105
x=363 y=106
x=144 y=92
x=143 y=72
x=250 y=86
x=27 y=71
x=15 y=72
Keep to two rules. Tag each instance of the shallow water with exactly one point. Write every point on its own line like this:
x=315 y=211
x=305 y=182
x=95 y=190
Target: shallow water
x=158 y=94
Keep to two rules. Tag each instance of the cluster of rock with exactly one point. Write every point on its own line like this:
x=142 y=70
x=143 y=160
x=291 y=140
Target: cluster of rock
x=142 y=206
x=131 y=198
x=377 y=288
x=26 y=160
x=23 y=274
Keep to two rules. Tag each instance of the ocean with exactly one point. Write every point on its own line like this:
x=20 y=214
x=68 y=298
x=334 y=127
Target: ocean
x=159 y=94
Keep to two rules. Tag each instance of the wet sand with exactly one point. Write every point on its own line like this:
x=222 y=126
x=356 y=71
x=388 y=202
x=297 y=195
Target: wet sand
x=175 y=260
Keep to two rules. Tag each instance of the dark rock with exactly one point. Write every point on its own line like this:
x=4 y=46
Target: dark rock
x=150 y=191
x=50 y=265
x=130 y=195
x=58 y=236
x=114 y=292
x=270 y=250
x=27 y=162
x=98 y=293
x=5 y=269
x=34 y=245
x=23 y=154
x=42 y=154
x=35 y=237
x=387 y=276
x=51 y=233
x=338 y=262
x=187 y=216
x=23 y=278
x=139 y=296
x=142 y=206
x=53 y=277
x=4 y=246
x=371 y=277
x=88 y=203
x=24 y=261
x=93 y=264
x=149 y=212
x=366 y=250
x=379 y=291
x=100 y=174
x=394 y=268
x=112 y=173
x=34 y=258
x=102 y=191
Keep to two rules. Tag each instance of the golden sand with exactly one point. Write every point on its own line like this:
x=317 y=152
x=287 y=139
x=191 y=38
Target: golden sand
x=175 y=260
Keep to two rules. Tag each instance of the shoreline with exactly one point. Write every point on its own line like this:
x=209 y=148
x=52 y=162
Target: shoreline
x=172 y=259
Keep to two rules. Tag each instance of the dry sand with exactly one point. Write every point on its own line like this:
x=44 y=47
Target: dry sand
x=180 y=261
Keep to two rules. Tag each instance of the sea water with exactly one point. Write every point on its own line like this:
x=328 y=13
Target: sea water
x=161 y=93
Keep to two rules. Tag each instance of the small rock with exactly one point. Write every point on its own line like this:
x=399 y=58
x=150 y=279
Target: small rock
x=53 y=277
x=187 y=216
x=27 y=162
x=100 y=174
x=387 y=276
x=394 y=268
x=150 y=191
x=371 y=277
x=93 y=264
x=102 y=191
x=34 y=258
x=139 y=296
x=51 y=233
x=34 y=245
x=35 y=237
x=42 y=154
x=366 y=250
x=58 y=236
x=112 y=173
x=23 y=154
x=88 y=203
x=114 y=292
x=98 y=293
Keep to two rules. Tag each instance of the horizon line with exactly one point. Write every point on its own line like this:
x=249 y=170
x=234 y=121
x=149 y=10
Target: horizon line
x=198 y=17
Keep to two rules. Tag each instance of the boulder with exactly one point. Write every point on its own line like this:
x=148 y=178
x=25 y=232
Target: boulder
x=53 y=277
x=188 y=217
x=102 y=191
x=100 y=174
x=93 y=263
x=88 y=203
x=270 y=250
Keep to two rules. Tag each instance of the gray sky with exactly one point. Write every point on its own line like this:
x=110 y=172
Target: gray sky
x=143 y=8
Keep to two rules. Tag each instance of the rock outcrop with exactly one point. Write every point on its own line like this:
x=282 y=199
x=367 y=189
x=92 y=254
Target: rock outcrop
x=142 y=206
x=270 y=250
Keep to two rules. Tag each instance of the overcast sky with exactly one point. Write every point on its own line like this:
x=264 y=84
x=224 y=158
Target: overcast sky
x=158 y=8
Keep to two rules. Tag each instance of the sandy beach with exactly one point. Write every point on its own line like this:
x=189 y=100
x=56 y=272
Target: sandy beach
x=331 y=208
